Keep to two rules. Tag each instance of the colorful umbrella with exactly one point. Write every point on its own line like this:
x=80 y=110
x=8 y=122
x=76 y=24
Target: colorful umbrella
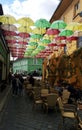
x=36 y=36
x=9 y=27
x=66 y=33
x=7 y=19
x=58 y=24
x=71 y=38
x=39 y=31
x=74 y=26
x=9 y=33
x=23 y=34
x=24 y=29
x=42 y=23
x=51 y=31
x=25 y=21
x=33 y=43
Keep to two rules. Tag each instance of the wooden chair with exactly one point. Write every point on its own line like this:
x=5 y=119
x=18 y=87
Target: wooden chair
x=65 y=96
x=50 y=102
x=67 y=111
x=37 y=97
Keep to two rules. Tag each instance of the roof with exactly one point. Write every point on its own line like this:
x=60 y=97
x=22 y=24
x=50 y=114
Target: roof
x=63 y=5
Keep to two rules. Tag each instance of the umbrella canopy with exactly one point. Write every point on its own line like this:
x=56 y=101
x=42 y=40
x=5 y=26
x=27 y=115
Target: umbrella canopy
x=58 y=24
x=42 y=23
x=24 y=29
x=66 y=33
x=9 y=33
x=36 y=36
x=39 y=31
x=51 y=31
x=74 y=26
x=33 y=43
x=25 y=21
x=9 y=27
x=7 y=19
x=23 y=34
x=45 y=41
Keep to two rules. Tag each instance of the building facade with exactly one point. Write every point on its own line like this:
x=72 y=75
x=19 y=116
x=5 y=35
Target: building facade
x=27 y=65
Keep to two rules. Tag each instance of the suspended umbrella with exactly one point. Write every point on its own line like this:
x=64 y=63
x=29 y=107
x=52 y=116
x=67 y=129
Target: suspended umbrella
x=60 y=38
x=40 y=48
x=71 y=38
x=22 y=42
x=74 y=26
x=42 y=23
x=51 y=31
x=52 y=44
x=66 y=33
x=25 y=21
x=9 y=33
x=36 y=36
x=33 y=43
x=34 y=40
x=23 y=34
x=39 y=31
x=7 y=19
x=9 y=27
x=10 y=38
x=11 y=41
x=58 y=24
x=24 y=29
x=45 y=41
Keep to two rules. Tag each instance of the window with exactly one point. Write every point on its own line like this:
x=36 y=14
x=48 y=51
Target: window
x=34 y=61
x=76 y=8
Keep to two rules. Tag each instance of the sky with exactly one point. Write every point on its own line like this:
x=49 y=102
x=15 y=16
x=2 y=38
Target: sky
x=35 y=9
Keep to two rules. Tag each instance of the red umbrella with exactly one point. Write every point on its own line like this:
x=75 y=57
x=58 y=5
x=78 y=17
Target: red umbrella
x=22 y=42
x=9 y=33
x=60 y=38
x=52 y=31
x=24 y=35
x=52 y=44
x=72 y=38
x=11 y=41
x=62 y=45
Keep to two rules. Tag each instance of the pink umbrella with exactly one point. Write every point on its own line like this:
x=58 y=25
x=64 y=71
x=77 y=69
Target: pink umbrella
x=52 y=31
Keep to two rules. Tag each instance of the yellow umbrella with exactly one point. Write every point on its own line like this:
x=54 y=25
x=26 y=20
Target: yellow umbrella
x=39 y=31
x=25 y=21
x=7 y=19
x=74 y=26
x=24 y=29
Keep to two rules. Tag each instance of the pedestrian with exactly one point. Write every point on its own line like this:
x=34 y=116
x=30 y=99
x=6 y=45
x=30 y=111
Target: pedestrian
x=21 y=82
x=14 y=85
x=31 y=80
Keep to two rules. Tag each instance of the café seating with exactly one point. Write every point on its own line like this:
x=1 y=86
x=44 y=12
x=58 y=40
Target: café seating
x=67 y=111
x=50 y=102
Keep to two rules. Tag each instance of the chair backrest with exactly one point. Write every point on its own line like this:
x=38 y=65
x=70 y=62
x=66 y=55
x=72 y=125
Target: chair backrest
x=52 y=99
x=44 y=91
x=60 y=104
x=65 y=96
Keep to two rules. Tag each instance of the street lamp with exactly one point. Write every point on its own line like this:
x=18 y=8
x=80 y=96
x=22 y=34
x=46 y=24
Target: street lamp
x=80 y=14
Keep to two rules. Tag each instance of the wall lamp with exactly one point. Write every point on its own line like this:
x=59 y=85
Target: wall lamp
x=80 y=14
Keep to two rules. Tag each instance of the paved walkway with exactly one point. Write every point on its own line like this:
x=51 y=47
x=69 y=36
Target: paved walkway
x=17 y=114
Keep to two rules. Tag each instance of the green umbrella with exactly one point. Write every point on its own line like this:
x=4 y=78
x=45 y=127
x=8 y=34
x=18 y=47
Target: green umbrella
x=40 y=48
x=42 y=23
x=36 y=36
x=66 y=33
x=33 y=43
x=58 y=24
x=45 y=40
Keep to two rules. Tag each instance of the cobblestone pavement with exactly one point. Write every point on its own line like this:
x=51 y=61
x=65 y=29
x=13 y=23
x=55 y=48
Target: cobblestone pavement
x=19 y=115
